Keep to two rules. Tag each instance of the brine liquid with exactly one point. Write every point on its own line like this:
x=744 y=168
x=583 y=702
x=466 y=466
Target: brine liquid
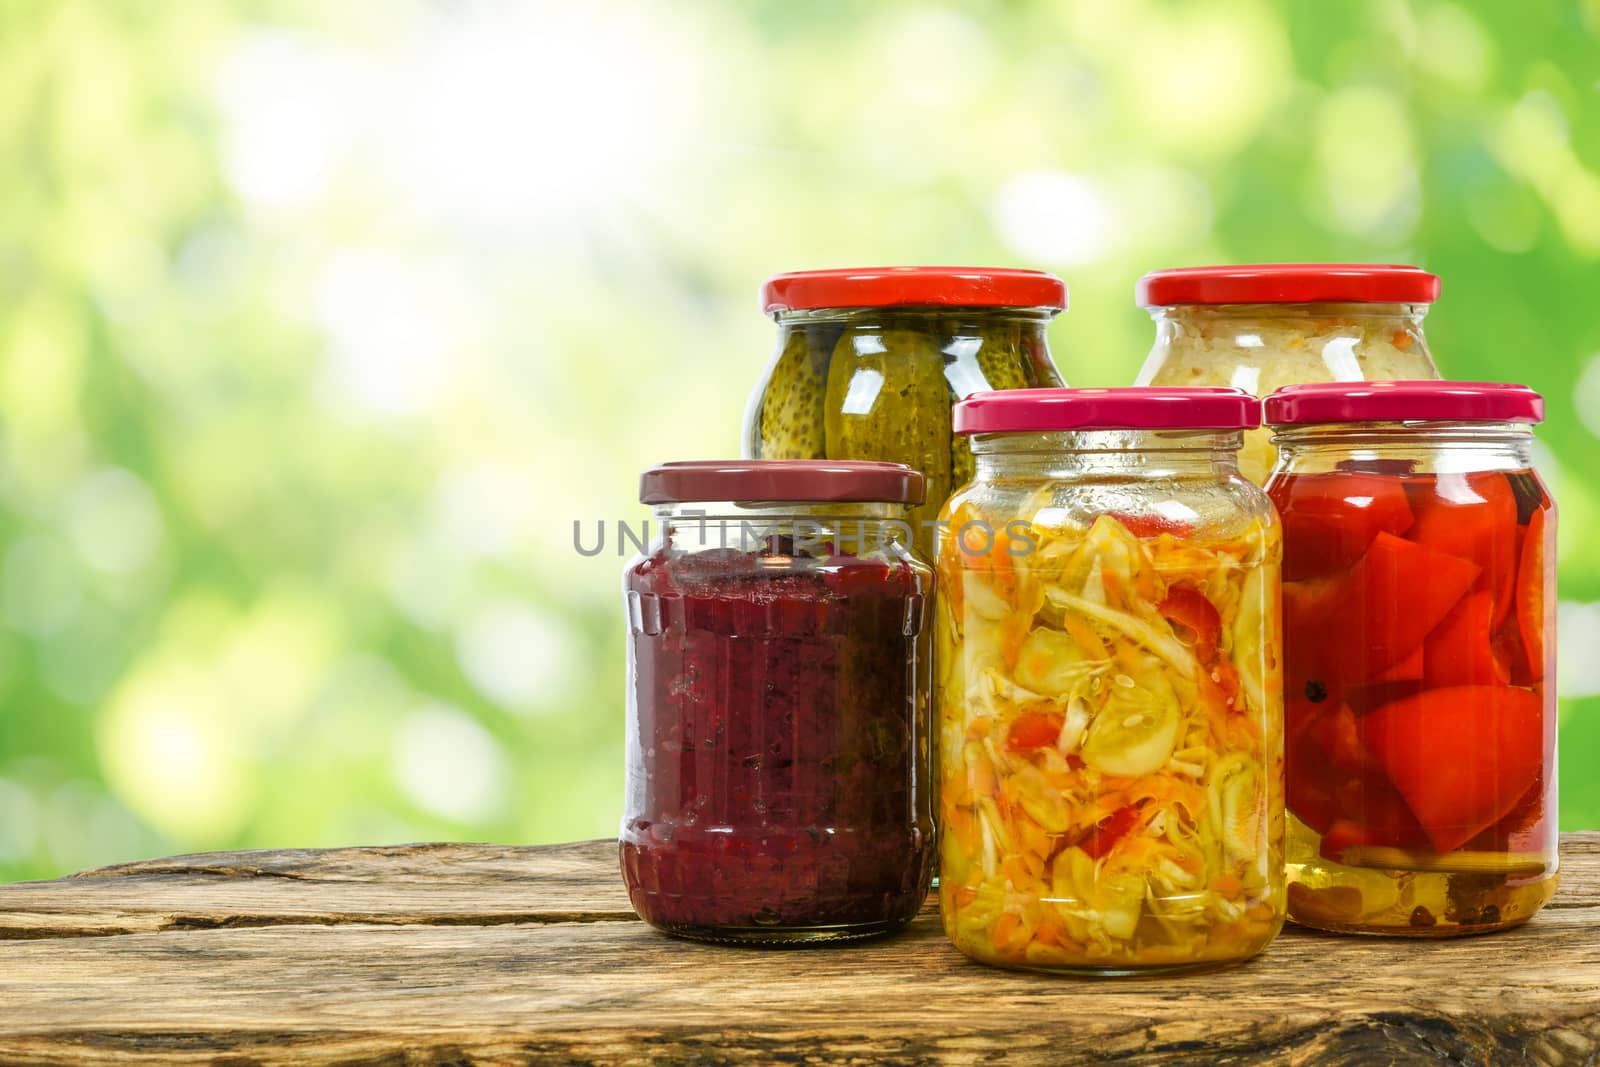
x=1402 y=900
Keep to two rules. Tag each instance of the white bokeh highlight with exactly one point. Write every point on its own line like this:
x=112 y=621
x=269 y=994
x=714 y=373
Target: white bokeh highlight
x=519 y=657
x=448 y=765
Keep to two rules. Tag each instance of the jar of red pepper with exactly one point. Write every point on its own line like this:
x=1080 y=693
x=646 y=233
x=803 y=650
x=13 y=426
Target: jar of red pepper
x=779 y=677
x=1419 y=635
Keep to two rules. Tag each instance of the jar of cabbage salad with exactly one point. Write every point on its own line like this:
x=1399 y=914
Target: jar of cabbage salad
x=1261 y=326
x=779 y=682
x=1109 y=685
x=1419 y=631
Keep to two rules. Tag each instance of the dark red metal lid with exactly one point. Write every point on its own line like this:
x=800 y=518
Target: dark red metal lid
x=913 y=286
x=798 y=480
x=1132 y=408
x=1288 y=283
x=1404 y=401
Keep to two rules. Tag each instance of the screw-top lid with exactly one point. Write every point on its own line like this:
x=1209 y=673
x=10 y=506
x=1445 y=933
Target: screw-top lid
x=1132 y=408
x=797 y=480
x=1403 y=401
x=1288 y=283
x=847 y=287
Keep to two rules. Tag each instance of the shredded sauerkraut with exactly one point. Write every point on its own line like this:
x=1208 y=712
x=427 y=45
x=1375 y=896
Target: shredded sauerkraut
x=1262 y=347
x=1111 y=744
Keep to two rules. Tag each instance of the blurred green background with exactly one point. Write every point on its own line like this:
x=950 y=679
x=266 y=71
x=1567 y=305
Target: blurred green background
x=321 y=324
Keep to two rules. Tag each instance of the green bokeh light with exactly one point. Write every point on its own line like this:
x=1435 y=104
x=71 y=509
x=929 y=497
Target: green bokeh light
x=320 y=324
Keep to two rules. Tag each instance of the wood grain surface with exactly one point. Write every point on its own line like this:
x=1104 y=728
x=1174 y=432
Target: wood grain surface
x=474 y=953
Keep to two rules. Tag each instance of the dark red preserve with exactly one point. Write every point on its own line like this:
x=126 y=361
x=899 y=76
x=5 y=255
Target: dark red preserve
x=779 y=678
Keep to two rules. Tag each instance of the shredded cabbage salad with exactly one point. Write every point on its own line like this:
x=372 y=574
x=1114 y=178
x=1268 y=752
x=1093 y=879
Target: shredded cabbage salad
x=1111 y=742
x=1261 y=348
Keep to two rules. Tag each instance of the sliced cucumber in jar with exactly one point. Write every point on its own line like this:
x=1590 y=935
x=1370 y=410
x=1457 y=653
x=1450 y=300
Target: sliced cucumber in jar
x=1049 y=662
x=1137 y=729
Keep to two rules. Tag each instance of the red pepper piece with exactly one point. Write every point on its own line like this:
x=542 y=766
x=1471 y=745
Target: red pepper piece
x=1409 y=669
x=1336 y=735
x=1474 y=516
x=1310 y=775
x=1338 y=788
x=1373 y=617
x=1329 y=520
x=1458 y=651
x=1462 y=756
x=1190 y=609
x=1535 y=595
x=1034 y=729
x=1110 y=830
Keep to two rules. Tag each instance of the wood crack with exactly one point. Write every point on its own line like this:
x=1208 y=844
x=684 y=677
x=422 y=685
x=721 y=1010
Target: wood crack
x=166 y=923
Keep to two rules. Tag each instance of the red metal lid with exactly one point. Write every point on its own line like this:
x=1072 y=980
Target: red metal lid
x=1133 y=408
x=1288 y=283
x=912 y=287
x=1403 y=402
x=799 y=480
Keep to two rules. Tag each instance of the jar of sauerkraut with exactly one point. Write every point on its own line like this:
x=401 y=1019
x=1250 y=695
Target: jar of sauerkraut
x=1419 y=633
x=1109 y=687
x=779 y=691
x=1261 y=326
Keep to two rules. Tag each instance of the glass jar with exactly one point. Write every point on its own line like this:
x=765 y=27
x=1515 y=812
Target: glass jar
x=1419 y=628
x=1267 y=325
x=868 y=363
x=1109 y=687
x=779 y=677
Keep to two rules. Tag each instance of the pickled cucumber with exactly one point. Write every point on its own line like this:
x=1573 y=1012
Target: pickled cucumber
x=981 y=358
x=887 y=400
x=1001 y=357
x=791 y=420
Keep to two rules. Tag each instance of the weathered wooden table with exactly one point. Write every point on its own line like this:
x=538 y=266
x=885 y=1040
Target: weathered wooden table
x=463 y=953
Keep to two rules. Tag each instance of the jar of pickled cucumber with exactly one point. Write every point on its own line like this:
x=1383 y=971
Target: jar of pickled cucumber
x=868 y=363
x=1419 y=630
x=1108 y=684
x=779 y=689
x=1261 y=326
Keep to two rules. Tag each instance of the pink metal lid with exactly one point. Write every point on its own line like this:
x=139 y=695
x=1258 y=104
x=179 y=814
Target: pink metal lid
x=798 y=480
x=1133 y=408
x=1404 y=401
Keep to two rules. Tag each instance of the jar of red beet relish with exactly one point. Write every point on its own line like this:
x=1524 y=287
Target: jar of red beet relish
x=1419 y=635
x=779 y=677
